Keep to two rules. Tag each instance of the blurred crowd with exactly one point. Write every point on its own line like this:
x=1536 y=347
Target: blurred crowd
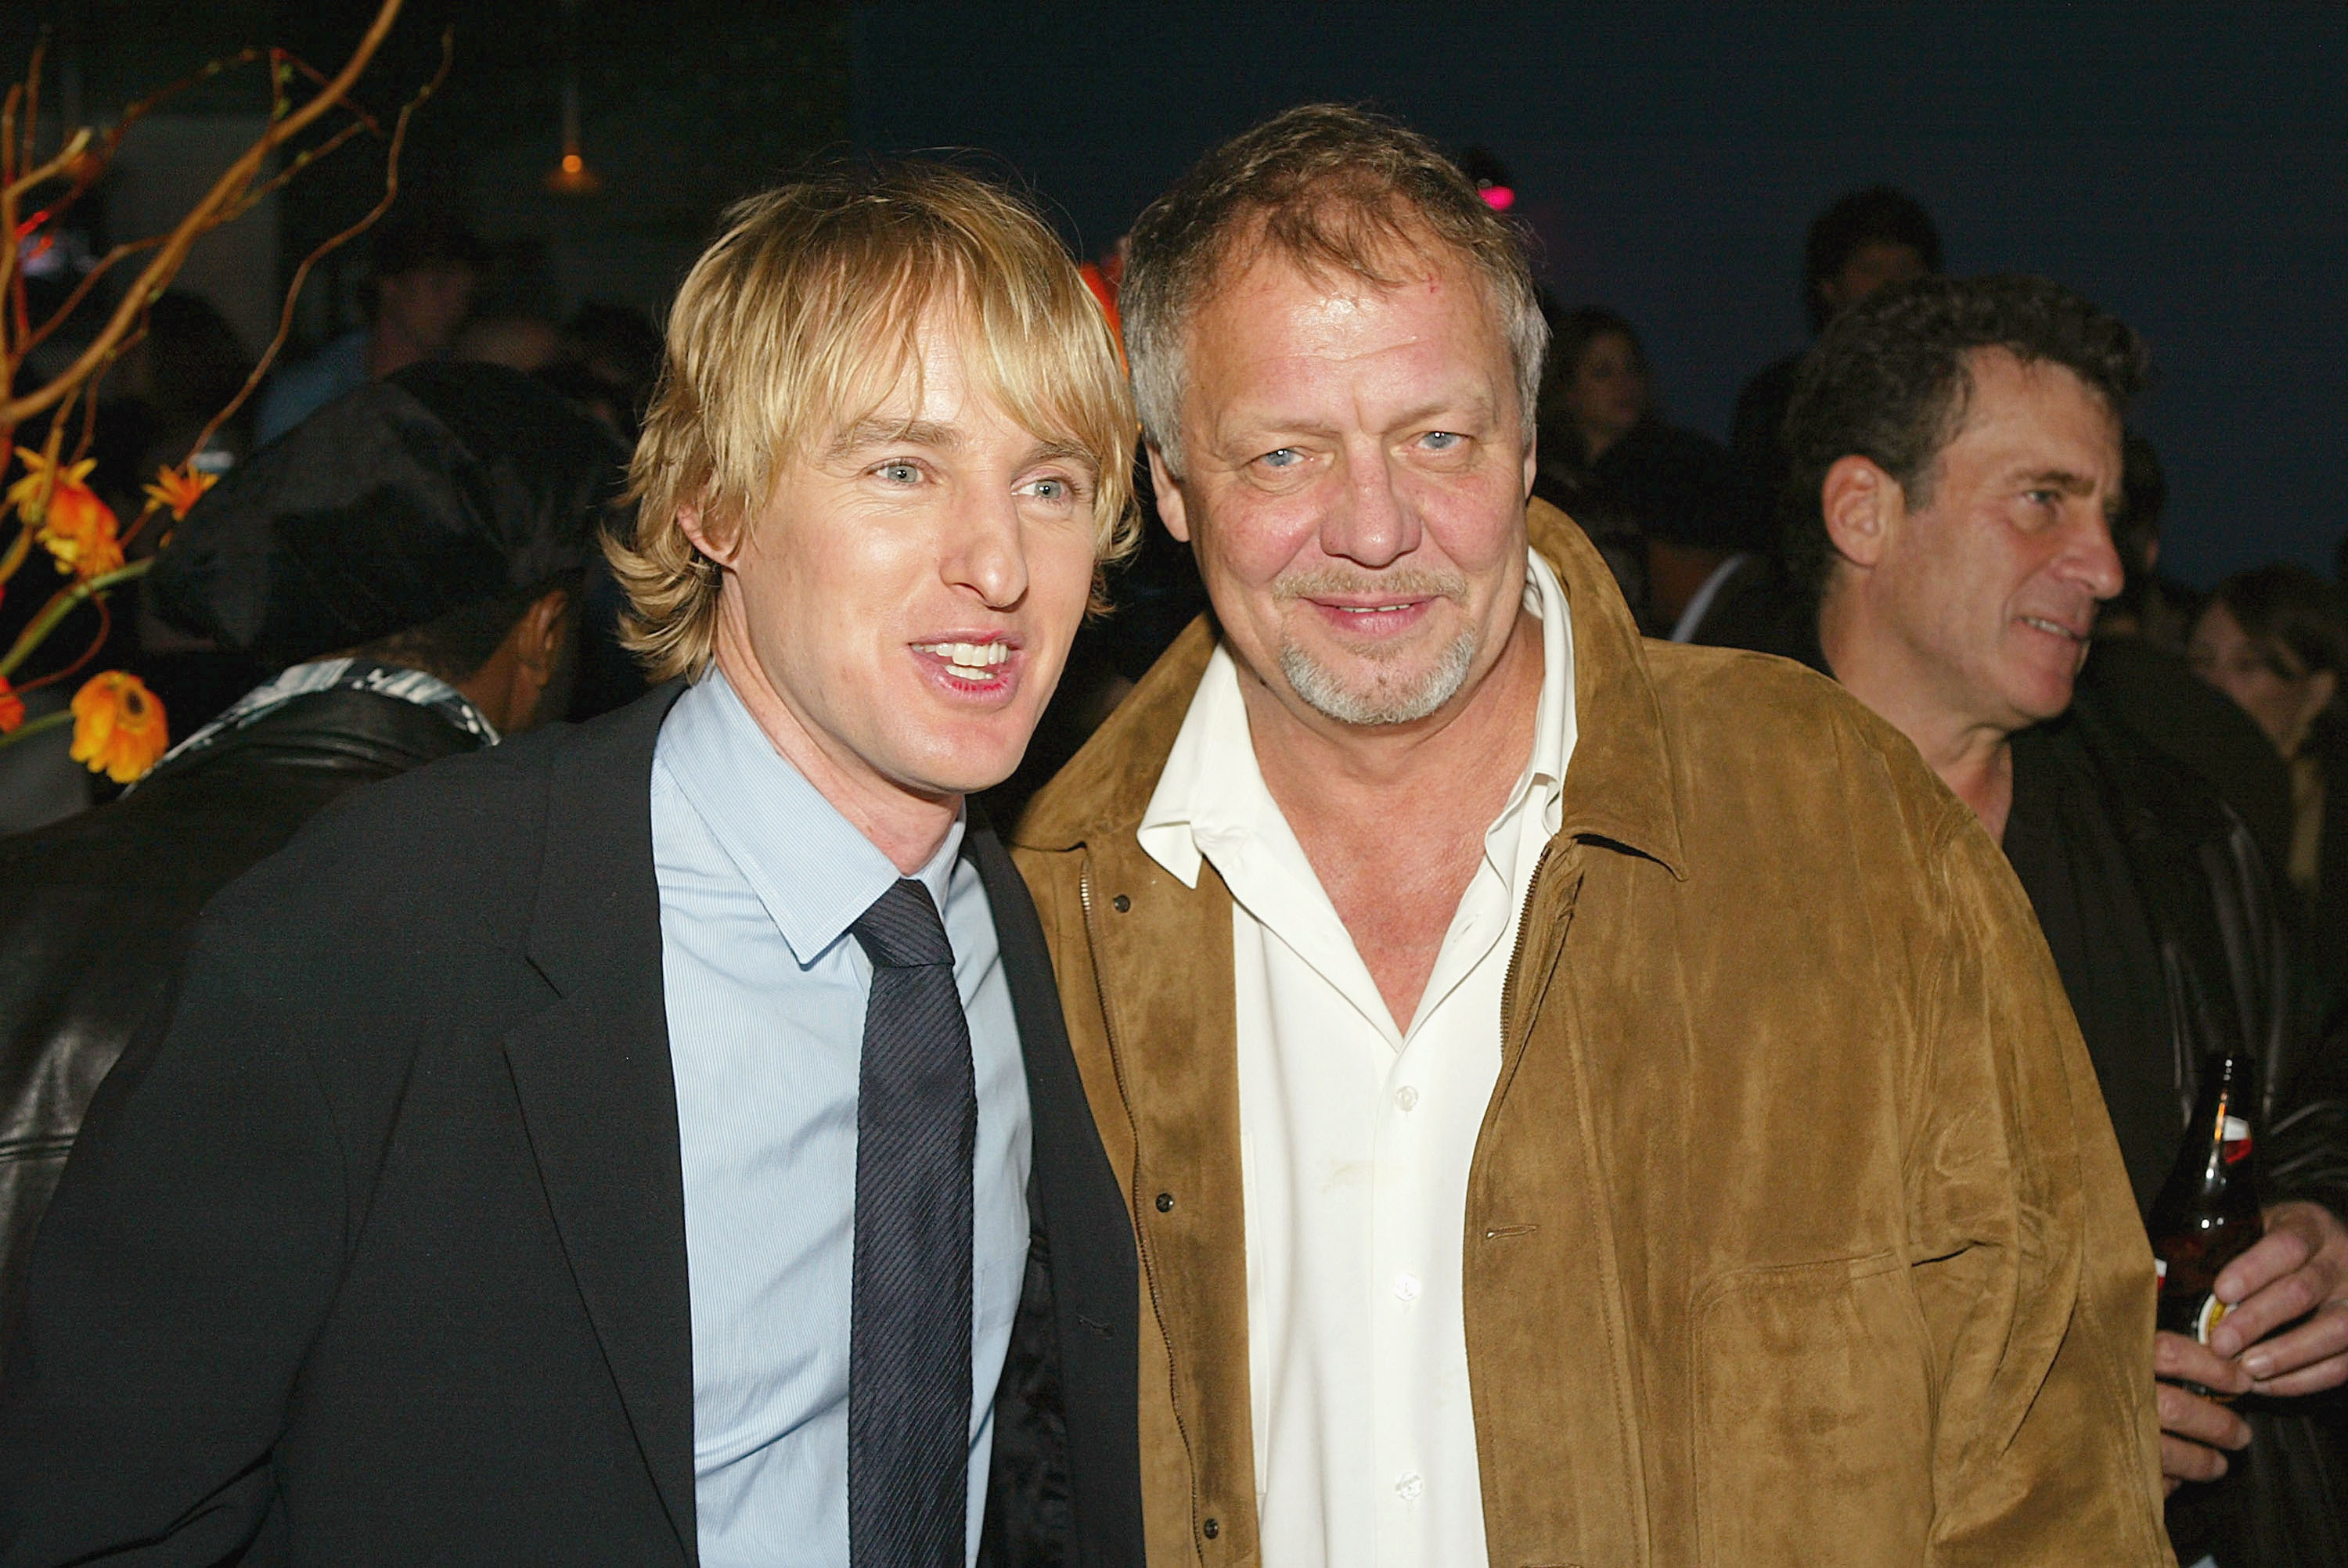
x=433 y=292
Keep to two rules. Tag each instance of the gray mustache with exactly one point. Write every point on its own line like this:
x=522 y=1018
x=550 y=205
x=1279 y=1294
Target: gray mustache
x=1400 y=584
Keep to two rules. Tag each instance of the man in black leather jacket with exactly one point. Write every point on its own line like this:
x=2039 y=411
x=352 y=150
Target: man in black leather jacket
x=1956 y=450
x=433 y=526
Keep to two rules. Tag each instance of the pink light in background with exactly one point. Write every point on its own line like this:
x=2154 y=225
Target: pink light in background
x=1499 y=198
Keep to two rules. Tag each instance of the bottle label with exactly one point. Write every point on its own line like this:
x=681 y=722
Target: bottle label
x=2236 y=1145
x=2204 y=1322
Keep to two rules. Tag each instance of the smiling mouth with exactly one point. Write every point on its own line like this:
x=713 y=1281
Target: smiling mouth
x=2053 y=627
x=977 y=662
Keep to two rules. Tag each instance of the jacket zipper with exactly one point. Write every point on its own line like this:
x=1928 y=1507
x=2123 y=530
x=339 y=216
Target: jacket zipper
x=1517 y=950
x=1140 y=1231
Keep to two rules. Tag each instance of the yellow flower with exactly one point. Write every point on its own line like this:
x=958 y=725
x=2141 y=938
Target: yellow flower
x=78 y=528
x=118 y=726
x=179 y=489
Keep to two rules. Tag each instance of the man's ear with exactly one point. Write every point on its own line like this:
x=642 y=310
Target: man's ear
x=2322 y=687
x=718 y=544
x=538 y=637
x=1170 y=509
x=1862 y=505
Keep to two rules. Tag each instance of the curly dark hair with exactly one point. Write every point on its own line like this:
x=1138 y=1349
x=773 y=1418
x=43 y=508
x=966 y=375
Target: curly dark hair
x=1889 y=381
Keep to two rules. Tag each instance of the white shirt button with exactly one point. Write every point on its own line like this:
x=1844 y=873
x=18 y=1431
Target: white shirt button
x=1406 y=1097
x=1409 y=1486
x=1405 y=1288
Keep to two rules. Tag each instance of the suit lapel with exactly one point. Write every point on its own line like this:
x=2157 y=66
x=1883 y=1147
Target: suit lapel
x=597 y=1093
x=1089 y=1240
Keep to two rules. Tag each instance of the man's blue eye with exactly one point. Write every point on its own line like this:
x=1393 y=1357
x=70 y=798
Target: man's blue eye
x=1285 y=457
x=1442 y=440
x=899 y=473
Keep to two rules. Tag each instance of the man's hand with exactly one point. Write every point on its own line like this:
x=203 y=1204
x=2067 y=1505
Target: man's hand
x=2193 y=1430
x=2299 y=1267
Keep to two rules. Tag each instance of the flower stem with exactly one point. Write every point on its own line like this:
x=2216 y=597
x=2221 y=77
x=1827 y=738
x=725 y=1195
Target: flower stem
x=25 y=731
x=57 y=609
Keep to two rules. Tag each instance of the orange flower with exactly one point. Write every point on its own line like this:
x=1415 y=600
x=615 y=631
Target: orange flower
x=12 y=707
x=118 y=726
x=179 y=489
x=78 y=528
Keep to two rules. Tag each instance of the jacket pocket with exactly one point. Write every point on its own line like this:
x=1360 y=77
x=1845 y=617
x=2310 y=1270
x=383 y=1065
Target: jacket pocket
x=1813 y=1415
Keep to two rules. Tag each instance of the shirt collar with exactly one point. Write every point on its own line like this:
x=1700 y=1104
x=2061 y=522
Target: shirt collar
x=809 y=866
x=345 y=673
x=1212 y=786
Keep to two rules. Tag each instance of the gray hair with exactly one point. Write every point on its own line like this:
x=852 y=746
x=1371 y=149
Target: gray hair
x=1335 y=189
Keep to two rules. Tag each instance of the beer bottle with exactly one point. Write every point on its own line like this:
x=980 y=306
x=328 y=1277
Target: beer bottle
x=2207 y=1214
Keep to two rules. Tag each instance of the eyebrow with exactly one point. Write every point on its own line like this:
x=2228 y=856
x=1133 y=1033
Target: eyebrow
x=2062 y=480
x=870 y=432
x=891 y=431
x=1066 y=452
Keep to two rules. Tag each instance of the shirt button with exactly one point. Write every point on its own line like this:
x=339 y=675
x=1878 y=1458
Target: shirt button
x=1405 y=1288
x=1406 y=1097
x=1409 y=1486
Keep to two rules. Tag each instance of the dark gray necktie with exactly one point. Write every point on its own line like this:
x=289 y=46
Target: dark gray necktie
x=909 y=1389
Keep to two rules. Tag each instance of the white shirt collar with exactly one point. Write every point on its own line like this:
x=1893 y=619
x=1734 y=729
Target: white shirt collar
x=1212 y=787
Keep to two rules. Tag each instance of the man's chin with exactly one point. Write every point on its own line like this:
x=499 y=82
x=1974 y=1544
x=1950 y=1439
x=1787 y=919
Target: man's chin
x=1371 y=694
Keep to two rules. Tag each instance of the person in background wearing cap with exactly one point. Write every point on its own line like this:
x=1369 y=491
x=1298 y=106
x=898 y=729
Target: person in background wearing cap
x=408 y=558
x=653 y=1141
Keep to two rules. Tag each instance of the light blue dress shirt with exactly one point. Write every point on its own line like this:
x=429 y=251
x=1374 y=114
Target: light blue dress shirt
x=760 y=878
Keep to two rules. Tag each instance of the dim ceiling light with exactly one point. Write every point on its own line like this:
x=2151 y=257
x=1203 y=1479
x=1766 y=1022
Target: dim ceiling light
x=571 y=177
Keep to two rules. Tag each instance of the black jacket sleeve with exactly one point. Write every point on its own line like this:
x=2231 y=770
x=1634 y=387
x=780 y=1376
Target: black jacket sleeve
x=184 y=1268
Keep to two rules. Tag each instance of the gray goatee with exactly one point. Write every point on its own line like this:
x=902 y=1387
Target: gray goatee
x=1388 y=696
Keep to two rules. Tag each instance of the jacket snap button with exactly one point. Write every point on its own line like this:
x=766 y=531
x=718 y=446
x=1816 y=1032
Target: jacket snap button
x=1211 y=1529
x=1120 y=903
x=1164 y=1202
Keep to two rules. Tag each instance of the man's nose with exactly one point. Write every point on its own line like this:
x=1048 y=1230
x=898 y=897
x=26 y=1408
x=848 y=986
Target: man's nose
x=986 y=551
x=1374 y=523
x=2094 y=560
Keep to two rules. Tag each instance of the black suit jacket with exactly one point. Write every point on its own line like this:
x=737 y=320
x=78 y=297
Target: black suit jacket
x=373 y=1246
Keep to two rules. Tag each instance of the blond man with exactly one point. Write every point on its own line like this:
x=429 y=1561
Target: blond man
x=626 y=1147
x=1579 y=1099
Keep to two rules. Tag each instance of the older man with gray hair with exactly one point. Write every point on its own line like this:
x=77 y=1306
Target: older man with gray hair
x=1578 y=1099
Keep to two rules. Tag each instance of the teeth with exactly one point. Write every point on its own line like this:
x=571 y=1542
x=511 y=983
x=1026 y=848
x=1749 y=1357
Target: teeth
x=979 y=655
x=1371 y=609
x=968 y=660
x=2058 y=631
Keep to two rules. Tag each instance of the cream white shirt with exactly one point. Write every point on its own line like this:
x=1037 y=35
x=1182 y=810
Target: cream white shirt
x=1356 y=1139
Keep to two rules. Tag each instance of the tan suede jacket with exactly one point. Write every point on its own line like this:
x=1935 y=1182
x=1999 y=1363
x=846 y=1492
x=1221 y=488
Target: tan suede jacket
x=1796 y=1231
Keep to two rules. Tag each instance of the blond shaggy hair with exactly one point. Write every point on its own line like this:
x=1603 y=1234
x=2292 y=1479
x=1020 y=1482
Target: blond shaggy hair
x=804 y=319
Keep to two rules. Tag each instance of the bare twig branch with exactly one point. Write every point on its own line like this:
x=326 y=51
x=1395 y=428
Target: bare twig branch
x=225 y=192
x=335 y=242
x=73 y=302
x=76 y=145
x=61 y=605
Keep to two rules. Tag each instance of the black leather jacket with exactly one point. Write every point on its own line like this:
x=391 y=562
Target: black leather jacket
x=2225 y=957
x=2227 y=962
x=93 y=909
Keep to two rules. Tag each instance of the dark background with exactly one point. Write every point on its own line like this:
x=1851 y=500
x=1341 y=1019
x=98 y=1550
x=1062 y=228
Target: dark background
x=2184 y=166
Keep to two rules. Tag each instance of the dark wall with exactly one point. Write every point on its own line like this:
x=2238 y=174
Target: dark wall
x=2184 y=166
